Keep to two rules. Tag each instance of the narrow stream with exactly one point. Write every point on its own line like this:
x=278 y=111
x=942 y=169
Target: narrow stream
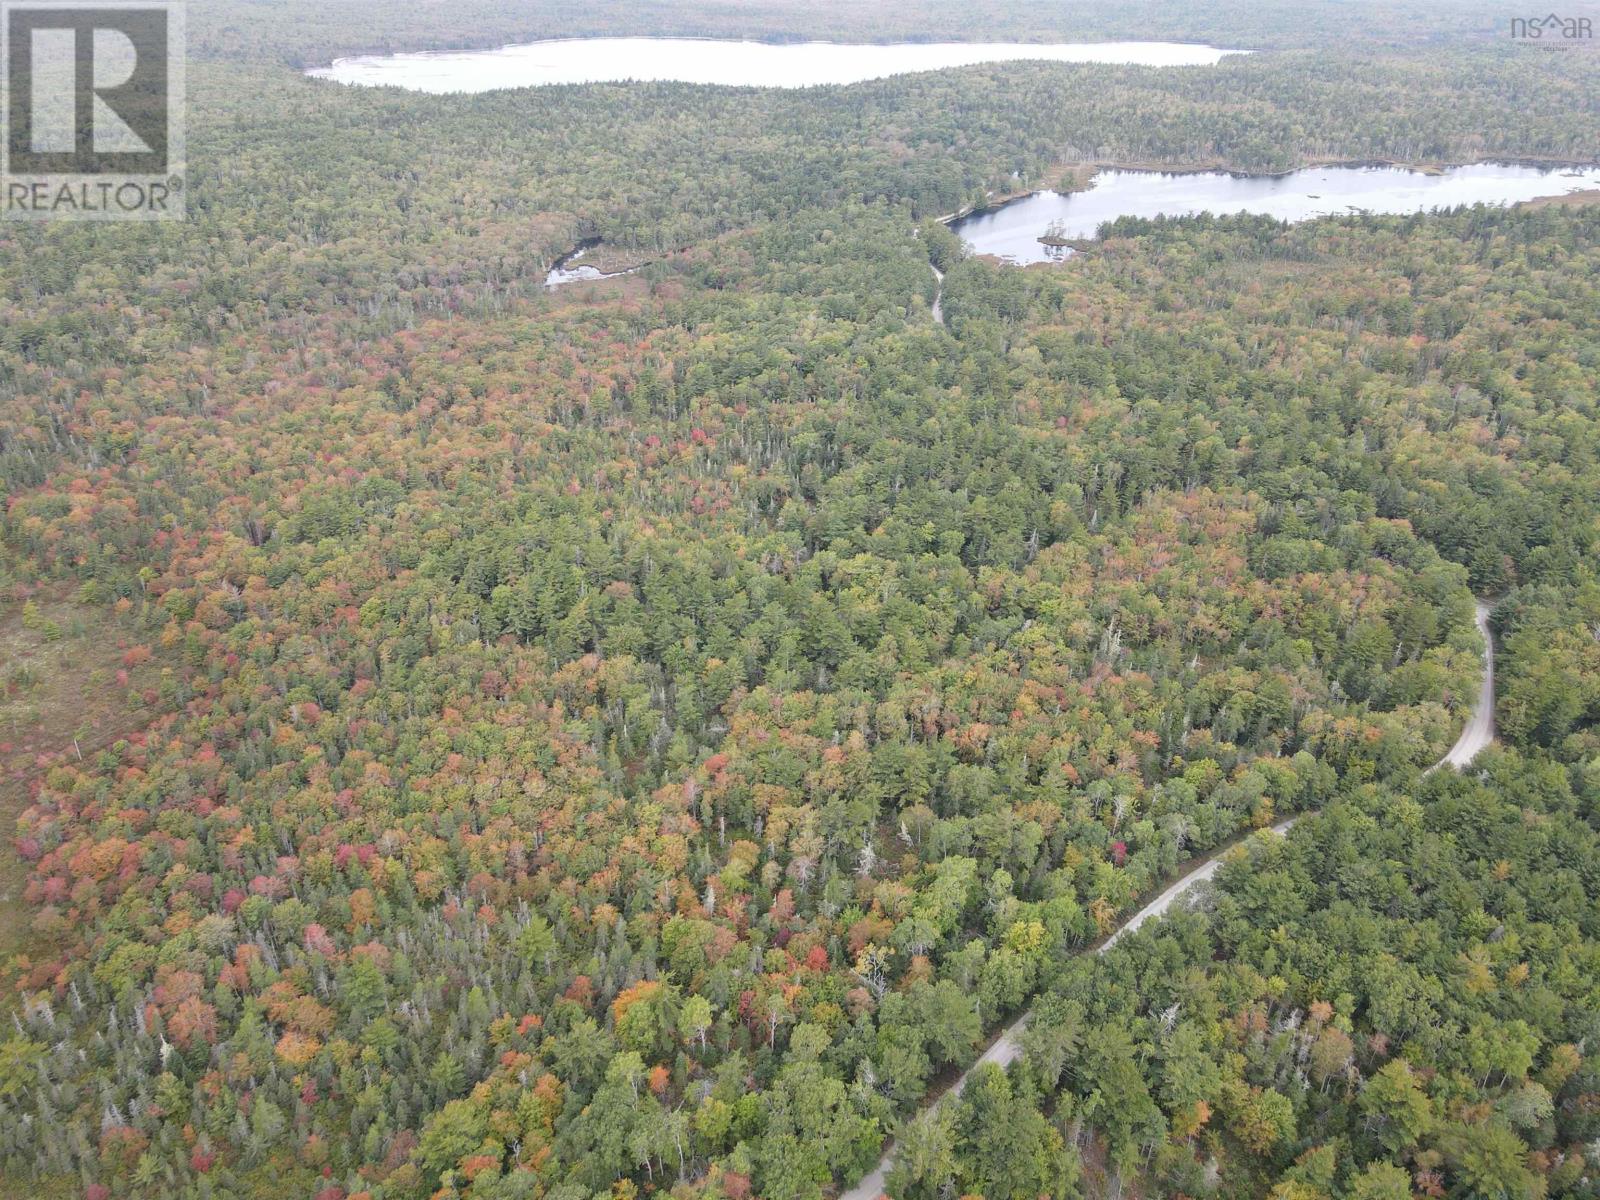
x=567 y=269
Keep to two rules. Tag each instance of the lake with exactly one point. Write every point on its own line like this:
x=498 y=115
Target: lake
x=1012 y=231
x=720 y=61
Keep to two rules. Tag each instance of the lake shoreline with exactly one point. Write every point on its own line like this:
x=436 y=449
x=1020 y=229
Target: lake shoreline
x=742 y=63
x=1053 y=218
x=774 y=40
x=1430 y=168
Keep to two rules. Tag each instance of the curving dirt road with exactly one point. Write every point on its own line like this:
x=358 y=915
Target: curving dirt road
x=1480 y=729
x=1479 y=732
x=1007 y=1046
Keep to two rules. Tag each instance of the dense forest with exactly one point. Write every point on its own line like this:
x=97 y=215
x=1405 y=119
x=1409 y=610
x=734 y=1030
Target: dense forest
x=644 y=738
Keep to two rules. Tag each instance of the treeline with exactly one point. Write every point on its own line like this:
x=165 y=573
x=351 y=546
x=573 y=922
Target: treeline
x=1468 y=418
x=301 y=34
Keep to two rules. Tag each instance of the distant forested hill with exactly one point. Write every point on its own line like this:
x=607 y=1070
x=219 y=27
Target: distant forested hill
x=308 y=34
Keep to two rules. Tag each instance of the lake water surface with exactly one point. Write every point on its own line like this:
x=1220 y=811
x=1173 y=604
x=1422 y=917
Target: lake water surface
x=1013 y=231
x=709 y=60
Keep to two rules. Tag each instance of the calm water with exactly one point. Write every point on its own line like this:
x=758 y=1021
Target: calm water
x=706 y=60
x=1013 y=232
x=568 y=269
